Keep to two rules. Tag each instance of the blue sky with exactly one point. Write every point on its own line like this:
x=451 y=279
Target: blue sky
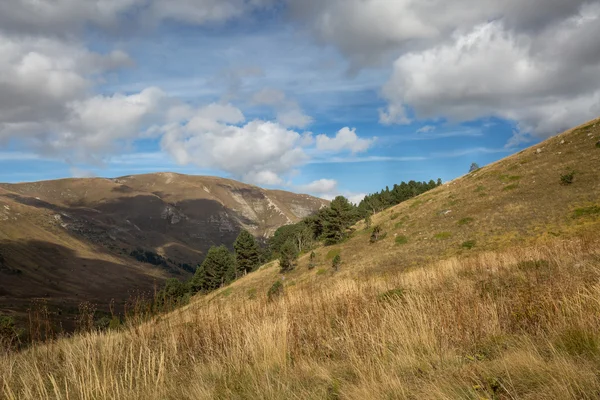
x=325 y=97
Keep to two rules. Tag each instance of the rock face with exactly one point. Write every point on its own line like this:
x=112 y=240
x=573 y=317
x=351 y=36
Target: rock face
x=47 y=228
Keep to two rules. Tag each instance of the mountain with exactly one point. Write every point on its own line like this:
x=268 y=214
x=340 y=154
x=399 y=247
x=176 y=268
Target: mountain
x=486 y=287
x=72 y=240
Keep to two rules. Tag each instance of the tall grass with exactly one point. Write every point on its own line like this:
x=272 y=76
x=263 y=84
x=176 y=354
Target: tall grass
x=517 y=324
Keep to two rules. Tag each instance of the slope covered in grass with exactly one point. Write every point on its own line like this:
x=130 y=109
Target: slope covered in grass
x=512 y=315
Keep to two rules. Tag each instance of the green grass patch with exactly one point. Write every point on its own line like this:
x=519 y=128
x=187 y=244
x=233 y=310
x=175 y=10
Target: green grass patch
x=416 y=204
x=479 y=188
x=227 y=292
x=465 y=221
x=510 y=187
x=509 y=178
x=251 y=293
x=469 y=244
x=442 y=235
x=321 y=271
x=401 y=239
x=394 y=216
x=332 y=253
x=586 y=211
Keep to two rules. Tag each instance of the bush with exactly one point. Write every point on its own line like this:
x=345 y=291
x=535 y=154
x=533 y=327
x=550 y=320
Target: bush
x=567 y=178
x=598 y=144
x=275 y=291
x=377 y=234
x=394 y=216
x=401 y=239
x=337 y=261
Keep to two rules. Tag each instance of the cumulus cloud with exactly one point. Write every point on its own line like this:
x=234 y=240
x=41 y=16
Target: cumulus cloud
x=536 y=62
x=345 y=139
x=494 y=72
x=321 y=186
x=289 y=113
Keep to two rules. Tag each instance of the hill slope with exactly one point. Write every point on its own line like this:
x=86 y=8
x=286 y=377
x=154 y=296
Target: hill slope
x=70 y=240
x=511 y=315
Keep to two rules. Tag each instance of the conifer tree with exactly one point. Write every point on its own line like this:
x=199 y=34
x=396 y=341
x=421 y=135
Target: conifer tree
x=217 y=266
x=288 y=256
x=247 y=253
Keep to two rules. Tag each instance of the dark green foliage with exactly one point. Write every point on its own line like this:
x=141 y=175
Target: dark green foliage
x=585 y=211
x=150 y=257
x=174 y=293
x=567 y=179
x=108 y=323
x=331 y=224
x=377 y=234
x=465 y=221
x=469 y=244
x=217 y=269
x=510 y=187
x=275 y=291
x=187 y=267
x=336 y=263
x=287 y=256
x=474 y=167
x=312 y=261
x=10 y=335
x=340 y=215
x=386 y=198
x=247 y=253
x=598 y=144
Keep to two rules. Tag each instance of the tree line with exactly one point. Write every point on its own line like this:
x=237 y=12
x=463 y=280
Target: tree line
x=329 y=225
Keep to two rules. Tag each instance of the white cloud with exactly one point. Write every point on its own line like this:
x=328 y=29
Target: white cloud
x=321 y=186
x=426 y=129
x=345 y=139
x=493 y=72
x=289 y=113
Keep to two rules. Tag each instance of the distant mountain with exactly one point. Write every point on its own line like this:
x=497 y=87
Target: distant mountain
x=72 y=240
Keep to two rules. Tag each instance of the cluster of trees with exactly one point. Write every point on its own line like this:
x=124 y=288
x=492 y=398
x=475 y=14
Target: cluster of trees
x=331 y=224
x=219 y=268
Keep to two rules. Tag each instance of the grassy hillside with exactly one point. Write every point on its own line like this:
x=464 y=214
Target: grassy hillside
x=485 y=288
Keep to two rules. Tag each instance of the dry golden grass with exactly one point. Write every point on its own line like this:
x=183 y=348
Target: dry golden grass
x=518 y=324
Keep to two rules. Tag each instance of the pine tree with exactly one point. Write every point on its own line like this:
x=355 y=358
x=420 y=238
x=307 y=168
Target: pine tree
x=218 y=266
x=247 y=253
x=474 y=167
x=288 y=256
x=337 y=219
x=199 y=282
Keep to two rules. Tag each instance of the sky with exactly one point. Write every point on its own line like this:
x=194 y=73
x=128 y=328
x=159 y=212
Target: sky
x=324 y=97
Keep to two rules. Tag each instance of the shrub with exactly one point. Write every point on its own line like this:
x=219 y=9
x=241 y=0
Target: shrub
x=469 y=244
x=394 y=216
x=567 y=178
x=465 y=221
x=377 y=234
x=401 y=239
x=337 y=261
x=275 y=291
x=598 y=144
x=442 y=235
